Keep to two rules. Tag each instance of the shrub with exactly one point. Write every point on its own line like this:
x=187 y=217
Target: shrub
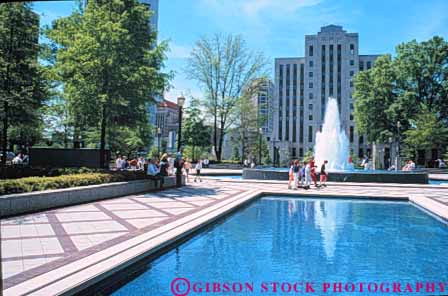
x=30 y=184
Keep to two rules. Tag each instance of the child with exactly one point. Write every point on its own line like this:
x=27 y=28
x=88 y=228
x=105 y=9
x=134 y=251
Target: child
x=323 y=174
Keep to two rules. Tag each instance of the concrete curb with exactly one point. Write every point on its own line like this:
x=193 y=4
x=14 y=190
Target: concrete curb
x=23 y=203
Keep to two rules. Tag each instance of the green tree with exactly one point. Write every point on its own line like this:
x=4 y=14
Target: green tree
x=224 y=67
x=376 y=108
x=423 y=76
x=249 y=119
x=109 y=62
x=22 y=80
x=195 y=133
x=426 y=132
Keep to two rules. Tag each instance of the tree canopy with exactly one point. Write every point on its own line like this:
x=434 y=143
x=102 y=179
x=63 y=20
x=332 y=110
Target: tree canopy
x=23 y=87
x=411 y=89
x=109 y=62
x=223 y=66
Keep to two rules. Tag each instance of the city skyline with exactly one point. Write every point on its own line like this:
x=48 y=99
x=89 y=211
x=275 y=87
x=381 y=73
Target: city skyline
x=382 y=25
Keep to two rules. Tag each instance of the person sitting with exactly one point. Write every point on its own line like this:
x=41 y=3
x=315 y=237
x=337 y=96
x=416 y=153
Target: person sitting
x=154 y=173
x=18 y=159
x=164 y=165
x=206 y=163
x=133 y=164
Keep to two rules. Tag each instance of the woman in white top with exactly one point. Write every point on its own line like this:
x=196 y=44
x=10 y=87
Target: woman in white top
x=198 y=169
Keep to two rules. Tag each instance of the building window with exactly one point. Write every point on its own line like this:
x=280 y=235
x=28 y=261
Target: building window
x=300 y=152
x=310 y=74
x=351 y=83
x=310 y=117
x=310 y=107
x=311 y=51
x=351 y=106
x=369 y=65
x=352 y=62
x=351 y=116
x=352 y=134
x=361 y=66
x=294 y=153
x=361 y=140
x=310 y=134
x=352 y=73
x=352 y=49
x=310 y=96
x=310 y=85
x=311 y=64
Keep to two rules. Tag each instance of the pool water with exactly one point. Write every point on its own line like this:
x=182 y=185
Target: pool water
x=289 y=240
x=438 y=182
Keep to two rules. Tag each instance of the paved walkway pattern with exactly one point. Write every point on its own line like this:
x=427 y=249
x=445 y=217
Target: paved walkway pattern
x=36 y=244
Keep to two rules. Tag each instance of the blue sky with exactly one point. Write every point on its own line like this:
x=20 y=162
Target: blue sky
x=277 y=27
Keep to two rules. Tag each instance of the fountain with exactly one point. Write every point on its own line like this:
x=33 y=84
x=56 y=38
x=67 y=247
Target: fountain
x=332 y=142
x=332 y=145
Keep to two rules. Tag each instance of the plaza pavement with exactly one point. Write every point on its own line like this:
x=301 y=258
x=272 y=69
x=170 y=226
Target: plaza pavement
x=51 y=252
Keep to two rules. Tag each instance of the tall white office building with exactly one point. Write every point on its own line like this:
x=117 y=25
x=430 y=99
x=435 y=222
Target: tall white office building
x=154 y=6
x=304 y=84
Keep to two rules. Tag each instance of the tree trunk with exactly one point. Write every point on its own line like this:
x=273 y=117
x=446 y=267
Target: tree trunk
x=215 y=134
x=5 y=132
x=103 y=138
x=193 y=158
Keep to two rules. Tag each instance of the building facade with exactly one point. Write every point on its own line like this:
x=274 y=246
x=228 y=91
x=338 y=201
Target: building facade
x=304 y=84
x=262 y=100
x=167 y=122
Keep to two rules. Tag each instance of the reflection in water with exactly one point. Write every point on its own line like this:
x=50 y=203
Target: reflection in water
x=330 y=217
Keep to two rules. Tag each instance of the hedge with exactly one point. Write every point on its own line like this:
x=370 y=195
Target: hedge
x=47 y=183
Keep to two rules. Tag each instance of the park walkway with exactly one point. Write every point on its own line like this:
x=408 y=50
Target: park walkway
x=48 y=252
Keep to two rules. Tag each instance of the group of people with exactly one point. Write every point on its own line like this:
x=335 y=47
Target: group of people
x=409 y=166
x=134 y=164
x=20 y=159
x=305 y=173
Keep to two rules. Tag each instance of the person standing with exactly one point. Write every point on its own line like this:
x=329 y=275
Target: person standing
x=323 y=174
x=296 y=172
x=187 y=168
x=313 y=171
x=307 y=175
x=198 y=169
x=302 y=174
x=118 y=163
x=291 y=174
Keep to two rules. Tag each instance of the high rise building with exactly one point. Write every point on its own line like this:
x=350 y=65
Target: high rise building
x=154 y=6
x=262 y=100
x=304 y=84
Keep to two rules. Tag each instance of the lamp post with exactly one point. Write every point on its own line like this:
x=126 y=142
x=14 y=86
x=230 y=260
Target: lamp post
x=179 y=162
x=398 y=146
x=260 y=130
x=274 y=152
x=159 y=136
x=180 y=103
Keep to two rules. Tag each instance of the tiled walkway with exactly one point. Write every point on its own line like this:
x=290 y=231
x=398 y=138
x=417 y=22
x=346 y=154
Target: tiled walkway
x=35 y=245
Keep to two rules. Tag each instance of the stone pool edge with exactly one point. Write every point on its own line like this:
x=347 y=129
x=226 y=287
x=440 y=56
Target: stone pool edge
x=80 y=275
